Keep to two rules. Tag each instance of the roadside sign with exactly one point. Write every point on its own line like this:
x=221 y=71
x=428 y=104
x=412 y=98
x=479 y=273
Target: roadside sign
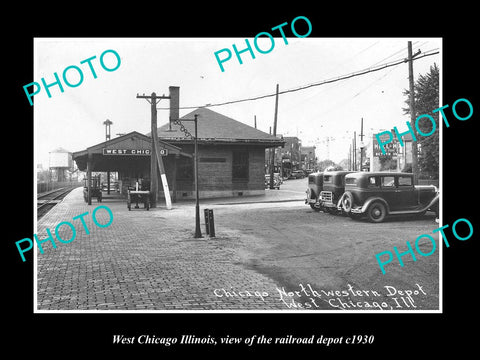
x=390 y=148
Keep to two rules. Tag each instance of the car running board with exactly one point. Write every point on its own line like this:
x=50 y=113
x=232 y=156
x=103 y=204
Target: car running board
x=415 y=211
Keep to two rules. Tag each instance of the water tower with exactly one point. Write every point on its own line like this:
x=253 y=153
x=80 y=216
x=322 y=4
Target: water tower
x=60 y=160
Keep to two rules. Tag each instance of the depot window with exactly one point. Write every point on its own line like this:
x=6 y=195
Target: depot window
x=240 y=165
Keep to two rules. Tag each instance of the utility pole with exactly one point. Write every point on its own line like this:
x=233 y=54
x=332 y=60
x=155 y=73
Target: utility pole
x=272 y=156
x=361 y=144
x=413 y=113
x=155 y=157
x=354 y=151
x=350 y=157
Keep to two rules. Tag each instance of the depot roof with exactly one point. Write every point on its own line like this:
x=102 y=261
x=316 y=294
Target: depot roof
x=214 y=127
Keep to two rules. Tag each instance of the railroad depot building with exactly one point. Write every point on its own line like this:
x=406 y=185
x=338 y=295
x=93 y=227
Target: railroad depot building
x=230 y=157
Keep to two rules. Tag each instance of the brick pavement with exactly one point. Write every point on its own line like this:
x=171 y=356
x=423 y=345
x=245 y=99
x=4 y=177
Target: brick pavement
x=145 y=260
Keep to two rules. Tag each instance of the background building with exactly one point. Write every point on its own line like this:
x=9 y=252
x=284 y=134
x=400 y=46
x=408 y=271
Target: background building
x=288 y=158
x=308 y=158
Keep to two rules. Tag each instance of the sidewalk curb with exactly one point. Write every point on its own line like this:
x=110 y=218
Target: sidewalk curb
x=259 y=202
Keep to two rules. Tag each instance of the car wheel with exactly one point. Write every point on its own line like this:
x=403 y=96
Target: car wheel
x=347 y=201
x=376 y=212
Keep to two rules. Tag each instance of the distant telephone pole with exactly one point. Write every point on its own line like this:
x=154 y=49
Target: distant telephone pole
x=350 y=157
x=361 y=144
x=272 y=156
x=354 y=151
x=412 y=112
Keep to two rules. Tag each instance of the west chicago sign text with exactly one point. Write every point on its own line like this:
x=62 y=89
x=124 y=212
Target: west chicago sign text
x=144 y=152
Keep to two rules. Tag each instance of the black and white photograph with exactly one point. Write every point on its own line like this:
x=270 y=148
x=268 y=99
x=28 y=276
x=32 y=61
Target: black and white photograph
x=284 y=174
x=297 y=181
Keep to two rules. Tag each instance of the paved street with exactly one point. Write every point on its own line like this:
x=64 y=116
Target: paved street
x=294 y=245
x=271 y=253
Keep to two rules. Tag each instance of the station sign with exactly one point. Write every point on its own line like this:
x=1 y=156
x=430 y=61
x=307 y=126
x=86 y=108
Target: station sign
x=132 y=152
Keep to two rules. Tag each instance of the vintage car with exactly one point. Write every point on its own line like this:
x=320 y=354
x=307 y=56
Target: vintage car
x=314 y=187
x=377 y=195
x=297 y=174
x=333 y=189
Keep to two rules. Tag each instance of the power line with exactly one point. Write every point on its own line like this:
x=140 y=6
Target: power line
x=402 y=50
x=329 y=81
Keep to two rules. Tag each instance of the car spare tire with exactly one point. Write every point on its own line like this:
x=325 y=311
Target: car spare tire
x=347 y=201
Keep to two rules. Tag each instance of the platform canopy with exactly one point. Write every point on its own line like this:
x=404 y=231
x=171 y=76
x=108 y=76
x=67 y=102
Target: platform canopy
x=123 y=153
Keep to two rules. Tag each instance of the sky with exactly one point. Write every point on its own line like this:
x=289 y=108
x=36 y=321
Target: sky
x=325 y=116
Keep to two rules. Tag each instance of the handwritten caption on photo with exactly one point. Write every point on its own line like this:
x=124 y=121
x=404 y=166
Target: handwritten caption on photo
x=309 y=298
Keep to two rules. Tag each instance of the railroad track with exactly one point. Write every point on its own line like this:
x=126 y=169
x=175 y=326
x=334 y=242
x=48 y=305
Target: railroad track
x=46 y=201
